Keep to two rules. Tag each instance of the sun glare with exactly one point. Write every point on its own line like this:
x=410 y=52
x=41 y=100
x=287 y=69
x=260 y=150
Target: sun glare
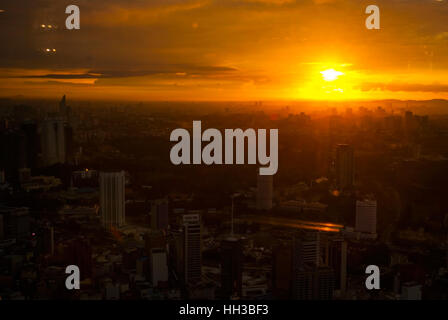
x=331 y=74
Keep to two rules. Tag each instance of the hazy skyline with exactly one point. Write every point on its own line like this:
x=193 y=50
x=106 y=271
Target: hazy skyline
x=225 y=50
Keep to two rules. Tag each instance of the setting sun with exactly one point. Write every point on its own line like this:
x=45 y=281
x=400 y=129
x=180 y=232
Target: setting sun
x=331 y=74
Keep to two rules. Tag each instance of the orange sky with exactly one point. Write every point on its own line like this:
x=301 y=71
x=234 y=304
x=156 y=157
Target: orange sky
x=225 y=50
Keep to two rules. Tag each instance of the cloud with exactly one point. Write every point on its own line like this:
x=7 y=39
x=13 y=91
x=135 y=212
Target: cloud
x=404 y=87
x=178 y=69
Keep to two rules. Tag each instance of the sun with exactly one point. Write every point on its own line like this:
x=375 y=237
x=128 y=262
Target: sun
x=331 y=74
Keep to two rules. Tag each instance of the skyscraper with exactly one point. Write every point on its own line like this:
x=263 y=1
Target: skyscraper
x=323 y=284
x=282 y=271
x=158 y=266
x=344 y=166
x=307 y=249
x=112 y=199
x=265 y=191
x=366 y=216
x=159 y=214
x=64 y=109
x=53 y=141
x=192 y=248
x=337 y=260
x=231 y=267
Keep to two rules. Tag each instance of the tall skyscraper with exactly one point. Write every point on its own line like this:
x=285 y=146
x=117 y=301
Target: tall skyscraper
x=231 y=267
x=159 y=214
x=306 y=249
x=192 y=248
x=158 y=267
x=302 y=287
x=337 y=260
x=112 y=199
x=282 y=271
x=366 y=216
x=344 y=166
x=53 y=141
x=64 y=109
x=306 y=259
x=265 y=190
x=323 y=284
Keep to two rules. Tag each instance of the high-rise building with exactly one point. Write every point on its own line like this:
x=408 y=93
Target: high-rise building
x=265 y=190
x=344 y=166
x=64 y=109
x=159 y=214
x=306 y=249
x=231 y=267
x=313 y=283
x=323 y=284
x=192 y=248
x=302 y=284
x=311 y=280
x=282 y=271
x=158 y=266
x=53 y=141
x=112 y=199
x=337 y=260
x=366 y=216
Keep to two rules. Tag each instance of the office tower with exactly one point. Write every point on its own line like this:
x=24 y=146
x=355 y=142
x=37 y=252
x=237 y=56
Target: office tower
x=313 y=283
x=158 y=266
x=323 y=284
x=64 y=109
x=306 y=249
x=337 y=260
x=366 y=216
x=192 y=248
x=282 y=267
x=302 y=284
x=112 y=199
x=159 y=214
x=265 y=192
x=344 y=166
x=231 y=267
x=53 y=141
x=306 y=259
x=155 y=247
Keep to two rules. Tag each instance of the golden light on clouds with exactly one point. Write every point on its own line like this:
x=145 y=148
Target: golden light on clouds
x=271 y=50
